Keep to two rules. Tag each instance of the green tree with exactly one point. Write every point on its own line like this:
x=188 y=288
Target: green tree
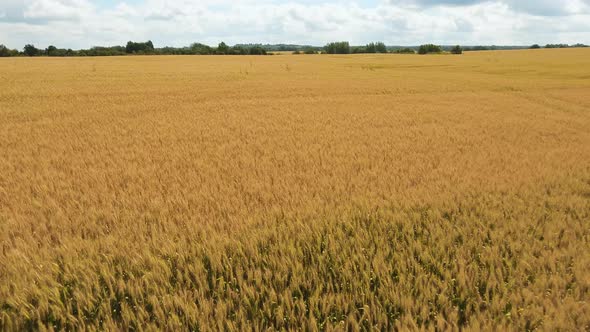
x=406 y=50
x=4 y=51
x=131 y=47
x=141 y=48
x=222 y=48
x=429 y=48
x=238 y=50
x=257 y=50
x=557 y=46
x=51 y=50
x=457 y=50
x=380 y=47
x=535 y=46
x=338 y=48
x=359 y=50
x=201 y=49
x=31 y=50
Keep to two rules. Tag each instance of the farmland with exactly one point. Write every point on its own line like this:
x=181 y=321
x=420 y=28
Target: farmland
x=296 y=192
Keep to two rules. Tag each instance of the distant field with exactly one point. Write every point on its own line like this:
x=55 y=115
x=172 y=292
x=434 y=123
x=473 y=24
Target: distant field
x=296 y=192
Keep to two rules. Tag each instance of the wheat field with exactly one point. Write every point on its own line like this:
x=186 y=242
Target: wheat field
x=356 y=192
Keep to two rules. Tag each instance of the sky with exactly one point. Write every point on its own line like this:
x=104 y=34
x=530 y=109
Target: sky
x=86 y=23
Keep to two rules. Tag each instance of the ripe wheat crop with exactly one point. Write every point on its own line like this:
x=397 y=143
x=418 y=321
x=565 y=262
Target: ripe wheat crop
x=358 y=192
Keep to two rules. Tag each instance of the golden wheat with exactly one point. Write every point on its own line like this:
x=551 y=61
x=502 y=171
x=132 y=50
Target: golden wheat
x=296 y=192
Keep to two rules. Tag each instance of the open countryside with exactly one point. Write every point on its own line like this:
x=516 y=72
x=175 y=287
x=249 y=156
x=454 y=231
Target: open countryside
x=305 y=192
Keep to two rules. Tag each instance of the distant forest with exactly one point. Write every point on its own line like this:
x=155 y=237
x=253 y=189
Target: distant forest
x=147 y=48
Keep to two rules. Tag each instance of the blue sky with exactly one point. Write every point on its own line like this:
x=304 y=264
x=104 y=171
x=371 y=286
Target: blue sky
x=86 y=23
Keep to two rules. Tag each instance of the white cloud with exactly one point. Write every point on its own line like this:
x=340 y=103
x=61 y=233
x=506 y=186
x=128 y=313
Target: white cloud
x=58 y=9
x=81 y=23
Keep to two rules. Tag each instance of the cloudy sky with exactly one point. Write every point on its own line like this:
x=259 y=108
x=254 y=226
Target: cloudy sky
x=86 y=23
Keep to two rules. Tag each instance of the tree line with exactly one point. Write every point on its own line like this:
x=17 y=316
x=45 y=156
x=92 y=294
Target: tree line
x=534 y=46
x=537 y=46
x=379 y=47
x=137 y=48
x=345 y=48
x=147 y=48
x=341 y=47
